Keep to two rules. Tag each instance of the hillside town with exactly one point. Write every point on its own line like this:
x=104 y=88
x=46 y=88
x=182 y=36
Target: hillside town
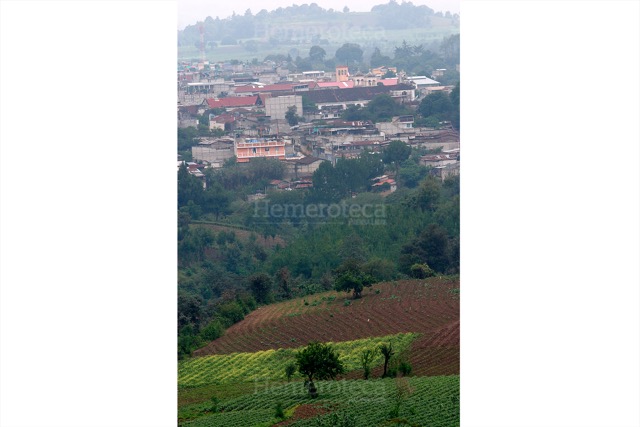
x=319 y=216
x=249 y=110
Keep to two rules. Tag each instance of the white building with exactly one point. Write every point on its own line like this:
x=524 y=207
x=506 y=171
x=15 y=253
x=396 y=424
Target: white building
x=277 y=107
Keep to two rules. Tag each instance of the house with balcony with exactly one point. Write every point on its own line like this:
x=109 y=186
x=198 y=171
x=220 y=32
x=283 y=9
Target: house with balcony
x=246 y=149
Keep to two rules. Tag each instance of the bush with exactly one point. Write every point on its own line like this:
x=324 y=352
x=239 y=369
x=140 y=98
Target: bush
x=404 y=368
x=214 y=404
x=187 y=342
x=247 y=301
x=379 y=269
x=279 y=411
x=212 y=331
x=231 y=312
x=422 y=271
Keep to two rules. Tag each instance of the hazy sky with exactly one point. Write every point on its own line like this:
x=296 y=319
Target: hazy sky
x=191 y=11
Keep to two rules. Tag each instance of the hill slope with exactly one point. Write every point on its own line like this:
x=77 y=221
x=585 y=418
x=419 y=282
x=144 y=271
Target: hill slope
x=428 y=307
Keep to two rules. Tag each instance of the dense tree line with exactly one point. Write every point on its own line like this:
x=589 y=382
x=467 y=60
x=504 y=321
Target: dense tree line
x=441 y=106
x=380 y=109
x=419 y=59
x=394 y=15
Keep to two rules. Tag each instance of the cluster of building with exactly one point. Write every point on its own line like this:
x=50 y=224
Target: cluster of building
x=249 y=102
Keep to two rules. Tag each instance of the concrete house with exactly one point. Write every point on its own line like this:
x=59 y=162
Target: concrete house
x=434 y=160
x=276 y=106
x=305 y=166
x=213 y=151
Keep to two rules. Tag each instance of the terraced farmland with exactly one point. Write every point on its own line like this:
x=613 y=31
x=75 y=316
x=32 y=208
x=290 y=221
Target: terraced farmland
x=428 y=307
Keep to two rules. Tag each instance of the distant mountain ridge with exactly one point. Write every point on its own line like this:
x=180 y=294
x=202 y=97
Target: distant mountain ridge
x=311 y=24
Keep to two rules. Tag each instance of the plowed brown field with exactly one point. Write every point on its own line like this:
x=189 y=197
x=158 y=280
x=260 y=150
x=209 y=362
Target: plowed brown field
x=429 y=307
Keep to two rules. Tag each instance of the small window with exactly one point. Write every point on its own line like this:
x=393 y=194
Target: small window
x=266 y=149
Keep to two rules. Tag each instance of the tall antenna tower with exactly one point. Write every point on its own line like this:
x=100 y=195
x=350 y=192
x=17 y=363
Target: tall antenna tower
x=202 y=43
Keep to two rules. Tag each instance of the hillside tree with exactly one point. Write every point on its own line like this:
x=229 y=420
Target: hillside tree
x=316 y=53
x=260 y=285
x=396 y=153
x=366 y=358
x=387 y=352
x=351 y=278
x=349 y=53
x=318 y=361
x=431 y=247
x=216 y=200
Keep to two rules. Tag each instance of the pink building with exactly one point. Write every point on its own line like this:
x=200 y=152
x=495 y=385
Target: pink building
x=247 y=149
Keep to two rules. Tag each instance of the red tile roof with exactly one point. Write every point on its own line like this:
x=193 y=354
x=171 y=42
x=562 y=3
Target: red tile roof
x=234 y=101
x=224 y=118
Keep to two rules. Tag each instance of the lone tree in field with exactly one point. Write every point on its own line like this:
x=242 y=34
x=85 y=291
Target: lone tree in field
x=366 y=358
x=387 y=352
x=318 y=361
x=349 y=276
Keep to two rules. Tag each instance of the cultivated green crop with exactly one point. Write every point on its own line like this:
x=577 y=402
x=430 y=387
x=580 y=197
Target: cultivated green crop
x=270 y=364
x=424 y=401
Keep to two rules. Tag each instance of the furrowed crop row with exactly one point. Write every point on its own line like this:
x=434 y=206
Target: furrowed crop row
x=429 y=401
x=404 y=306
x=435 y=361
